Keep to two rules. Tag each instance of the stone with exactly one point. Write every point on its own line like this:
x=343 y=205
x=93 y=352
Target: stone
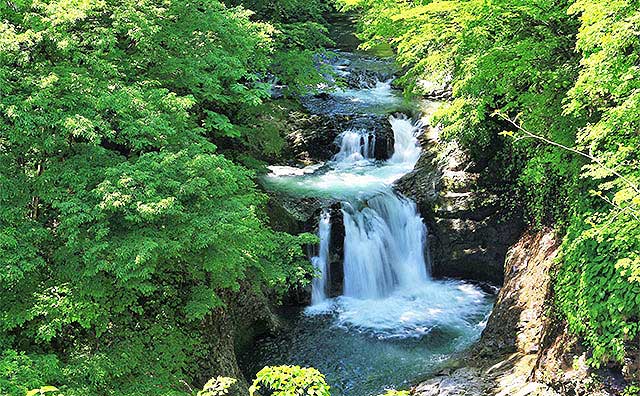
x=314 y=138
x=469 y=235
x=525 y=350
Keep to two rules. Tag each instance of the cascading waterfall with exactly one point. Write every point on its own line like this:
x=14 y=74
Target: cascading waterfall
x=392 y=319
x=405 y=147
x=356 y=145
x=321 y=261
x=383 y=246
x=384 y=234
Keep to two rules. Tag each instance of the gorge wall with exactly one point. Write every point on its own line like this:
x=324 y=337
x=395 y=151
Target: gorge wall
x=469 y=234
x=525 y=348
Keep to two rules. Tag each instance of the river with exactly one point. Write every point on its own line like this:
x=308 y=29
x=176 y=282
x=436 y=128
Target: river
x=393 y=323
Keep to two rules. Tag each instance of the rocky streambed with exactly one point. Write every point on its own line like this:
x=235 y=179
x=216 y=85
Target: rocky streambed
x=378 y=318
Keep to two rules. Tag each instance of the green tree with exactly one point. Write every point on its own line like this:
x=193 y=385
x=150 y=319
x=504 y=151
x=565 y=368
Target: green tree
x=512 y=65
x=120 y=223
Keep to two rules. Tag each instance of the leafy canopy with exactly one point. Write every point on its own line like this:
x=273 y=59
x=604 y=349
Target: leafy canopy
x=122 y=228
x=519 y=59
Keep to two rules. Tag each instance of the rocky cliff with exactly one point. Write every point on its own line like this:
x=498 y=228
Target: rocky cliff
x=469 y=234
x=525 y=349
x=247 y=314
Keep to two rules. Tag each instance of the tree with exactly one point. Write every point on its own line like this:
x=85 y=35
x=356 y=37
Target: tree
x=119 y=222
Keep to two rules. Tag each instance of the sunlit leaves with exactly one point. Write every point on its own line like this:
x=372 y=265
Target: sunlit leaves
x=290 y=381
x=121 y=226
x=569 y=72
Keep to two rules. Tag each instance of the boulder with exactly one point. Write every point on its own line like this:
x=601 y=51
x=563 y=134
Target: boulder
x=294 y=215
x=315 y=138
x=518 y=320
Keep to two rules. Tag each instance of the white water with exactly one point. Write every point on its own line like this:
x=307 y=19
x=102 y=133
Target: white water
x=380 y=94
x=405 y=146
x=383 y=246
x=393 y=322
x=355 y=145
x=347 y=175
x=388 y=291
x=412 y=312
x=321 y=261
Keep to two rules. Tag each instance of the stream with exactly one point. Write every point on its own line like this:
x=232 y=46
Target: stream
x=393 y=323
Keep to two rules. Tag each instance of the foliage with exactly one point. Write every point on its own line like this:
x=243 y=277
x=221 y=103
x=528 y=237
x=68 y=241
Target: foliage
x=218 y=386
x=631 y=390
x=579 y=168
x=599 y=286
x=281 y=381
x=392 y=392
x=20 y=372
x=299 y=34
x=42 y=391
x=123 y=229
x=290 y=381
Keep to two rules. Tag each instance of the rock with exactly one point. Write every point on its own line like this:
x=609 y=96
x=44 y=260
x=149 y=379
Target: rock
x=518 y=318
x=293 y=214
x=314 y=138
x=363 y=78
x=468 y=234
x=631 y=366
x=464 y=381
x=336 y=251
x=525 y=350
x=323 y=95
x=247 y=314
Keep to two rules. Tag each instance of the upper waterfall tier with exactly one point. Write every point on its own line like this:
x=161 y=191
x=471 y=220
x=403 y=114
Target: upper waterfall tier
x=353 y=171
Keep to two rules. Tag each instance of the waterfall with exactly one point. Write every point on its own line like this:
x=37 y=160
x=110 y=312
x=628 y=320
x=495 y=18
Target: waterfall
x=405 y=147
x=321 y=261
x=384 y=234
x=383 y=246
x=355 y=145
x=392 y=317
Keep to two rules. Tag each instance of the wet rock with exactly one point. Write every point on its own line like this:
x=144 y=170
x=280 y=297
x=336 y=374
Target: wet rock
x=246 y=315
x=314 y=138
x=364 y=79
x=469 y=235
x=525 y=349
x=293 y=214
x=336 y=251
x=363 y=72
x=322 y=95
x=380 y=128
x=517 y=322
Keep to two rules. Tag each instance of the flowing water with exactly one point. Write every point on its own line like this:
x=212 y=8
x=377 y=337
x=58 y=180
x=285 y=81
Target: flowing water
x=393 y=323
x=321 y=261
